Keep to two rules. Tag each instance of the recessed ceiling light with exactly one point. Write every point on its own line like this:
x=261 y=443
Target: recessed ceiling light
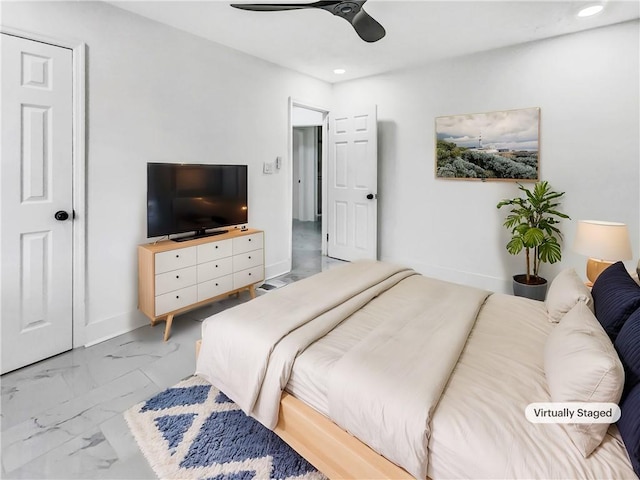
x=339 y=71
x=590 y=10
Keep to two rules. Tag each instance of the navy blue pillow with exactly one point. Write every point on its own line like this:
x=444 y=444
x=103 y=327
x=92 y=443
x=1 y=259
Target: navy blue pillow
x=615 y=296
x=629 y=426
x=628 y=346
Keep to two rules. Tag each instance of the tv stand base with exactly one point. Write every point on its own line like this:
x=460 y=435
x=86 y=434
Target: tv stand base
x=200 y=235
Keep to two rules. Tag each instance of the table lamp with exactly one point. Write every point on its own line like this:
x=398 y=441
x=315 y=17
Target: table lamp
x=604 y=243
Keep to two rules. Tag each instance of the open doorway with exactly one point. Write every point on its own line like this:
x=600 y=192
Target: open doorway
x=307 y=199
x=308 y=204
x=307 y=173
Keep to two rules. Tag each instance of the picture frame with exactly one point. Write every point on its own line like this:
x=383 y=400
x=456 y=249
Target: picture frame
x=501 y=145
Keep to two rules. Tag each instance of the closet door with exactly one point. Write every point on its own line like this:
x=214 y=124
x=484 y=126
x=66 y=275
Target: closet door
x=35 y=201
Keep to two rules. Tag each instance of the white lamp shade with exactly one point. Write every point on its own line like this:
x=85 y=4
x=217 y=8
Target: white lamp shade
x=603 y=240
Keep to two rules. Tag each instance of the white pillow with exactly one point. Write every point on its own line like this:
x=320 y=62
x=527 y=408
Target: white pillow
x=565 y=291
x=581 y=365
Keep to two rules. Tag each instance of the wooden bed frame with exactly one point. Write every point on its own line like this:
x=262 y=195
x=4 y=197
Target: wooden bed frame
x=327 y=447
x=333 y=451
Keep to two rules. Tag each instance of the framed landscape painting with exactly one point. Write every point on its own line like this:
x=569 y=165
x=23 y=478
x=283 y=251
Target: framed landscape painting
x=489 y=146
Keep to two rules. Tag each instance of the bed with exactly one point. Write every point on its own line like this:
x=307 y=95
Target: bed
x=371 y=370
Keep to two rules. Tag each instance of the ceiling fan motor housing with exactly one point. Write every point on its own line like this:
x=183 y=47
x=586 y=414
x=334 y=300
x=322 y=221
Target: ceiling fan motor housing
x=346 y=9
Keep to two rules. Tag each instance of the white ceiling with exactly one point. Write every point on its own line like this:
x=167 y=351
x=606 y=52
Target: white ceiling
x=315 y=42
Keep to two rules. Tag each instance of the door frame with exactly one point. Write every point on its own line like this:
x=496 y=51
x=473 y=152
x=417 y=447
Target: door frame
x=79 y=237
x=325 y=132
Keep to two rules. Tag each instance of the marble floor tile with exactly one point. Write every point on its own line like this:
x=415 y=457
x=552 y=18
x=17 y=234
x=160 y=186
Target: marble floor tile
x=62 y=417
x=174 y=367
x=85 y=456
x=22 y=396
x=133 y=468
x=117 y=359
x=117 y=433
x=56 y=426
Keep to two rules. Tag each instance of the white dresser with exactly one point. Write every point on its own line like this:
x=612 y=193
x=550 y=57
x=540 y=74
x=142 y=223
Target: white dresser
x=174 y=277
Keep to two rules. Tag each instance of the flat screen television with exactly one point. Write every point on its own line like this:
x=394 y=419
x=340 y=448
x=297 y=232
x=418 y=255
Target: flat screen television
x=195 y=198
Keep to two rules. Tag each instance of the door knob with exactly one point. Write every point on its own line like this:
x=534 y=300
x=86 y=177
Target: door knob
x=61 y=215
x=371 y=196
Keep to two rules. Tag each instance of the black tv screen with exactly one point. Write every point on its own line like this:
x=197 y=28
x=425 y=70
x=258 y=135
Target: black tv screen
x=194 y=198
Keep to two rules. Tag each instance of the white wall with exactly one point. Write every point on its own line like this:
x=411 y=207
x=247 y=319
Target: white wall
x=587 y=86
x=158 y=94
x=304 y=117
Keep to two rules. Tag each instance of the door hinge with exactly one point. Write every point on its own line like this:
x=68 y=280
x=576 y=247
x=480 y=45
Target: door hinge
x=327 y=237
x=73 y=214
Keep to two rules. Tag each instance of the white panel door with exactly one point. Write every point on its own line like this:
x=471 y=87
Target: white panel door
x=352 y=185
x=36 y=182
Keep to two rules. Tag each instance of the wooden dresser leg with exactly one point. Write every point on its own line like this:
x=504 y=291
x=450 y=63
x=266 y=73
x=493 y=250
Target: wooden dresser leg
x=252 y=291
x=167 y=328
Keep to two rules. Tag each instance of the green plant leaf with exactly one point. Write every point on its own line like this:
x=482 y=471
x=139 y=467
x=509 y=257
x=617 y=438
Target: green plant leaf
x=521 y=229
x=550 y=251
x=533 y=237
x=515 y=245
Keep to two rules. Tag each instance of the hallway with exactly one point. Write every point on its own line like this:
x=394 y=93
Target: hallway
x=307 y=257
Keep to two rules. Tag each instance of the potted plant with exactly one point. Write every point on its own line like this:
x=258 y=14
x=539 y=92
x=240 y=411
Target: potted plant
x=532 y=222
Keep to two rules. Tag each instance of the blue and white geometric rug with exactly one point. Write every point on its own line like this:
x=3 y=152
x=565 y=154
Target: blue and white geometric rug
x=193 y=431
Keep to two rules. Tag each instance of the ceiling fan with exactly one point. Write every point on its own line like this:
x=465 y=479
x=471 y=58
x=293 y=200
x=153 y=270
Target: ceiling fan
x=351 y=10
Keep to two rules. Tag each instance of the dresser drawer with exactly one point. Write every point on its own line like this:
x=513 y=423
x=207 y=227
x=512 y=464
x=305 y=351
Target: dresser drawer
x=175 y=300
x=248 y=260
x=175 y=280
x=215 y=269
x=213 y=288
x=247 y=243
x=175 y=259
x=248 y=277
x=214 y=250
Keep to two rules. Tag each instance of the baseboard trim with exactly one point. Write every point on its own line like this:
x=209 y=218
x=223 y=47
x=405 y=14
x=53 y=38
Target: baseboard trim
x=485 y=282
x=109 y=328
x=277 y=269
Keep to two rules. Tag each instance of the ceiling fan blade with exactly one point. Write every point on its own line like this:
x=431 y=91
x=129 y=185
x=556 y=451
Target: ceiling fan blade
x=351 y=10
x=262 y=7
x=367 y=27
x=278 y=7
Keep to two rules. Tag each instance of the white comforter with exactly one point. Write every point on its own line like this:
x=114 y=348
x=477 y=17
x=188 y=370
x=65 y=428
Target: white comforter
x=248 y=352
x=384 y=390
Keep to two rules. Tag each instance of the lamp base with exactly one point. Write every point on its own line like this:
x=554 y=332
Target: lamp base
x=595 y=268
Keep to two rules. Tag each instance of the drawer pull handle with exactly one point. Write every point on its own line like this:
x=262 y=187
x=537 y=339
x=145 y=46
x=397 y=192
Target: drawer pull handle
x=216 y=266
x=249 y=239
x=216 y=246
x=216 y=284
x=177 y=296
x=177 y=276
x=249 y=257
x=249 y=273
x=177 y=256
